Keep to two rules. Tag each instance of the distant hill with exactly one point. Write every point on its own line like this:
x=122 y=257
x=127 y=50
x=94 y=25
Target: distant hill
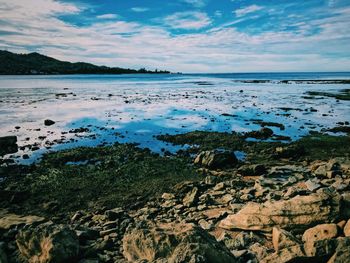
x=36 y=64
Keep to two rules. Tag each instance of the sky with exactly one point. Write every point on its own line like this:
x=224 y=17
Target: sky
x=208 y=36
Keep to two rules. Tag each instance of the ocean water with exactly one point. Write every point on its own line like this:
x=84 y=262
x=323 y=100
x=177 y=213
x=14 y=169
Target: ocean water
x=136 y=108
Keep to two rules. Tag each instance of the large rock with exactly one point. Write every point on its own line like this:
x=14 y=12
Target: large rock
x=347 y=229
x=8 y=221
x=289 y=254
x=173 y=243
x=8 y=144
x=262 y=134
x=317 y=233
x=48 y=243
x=191 y=197
x=298 y=213
x=216 y=159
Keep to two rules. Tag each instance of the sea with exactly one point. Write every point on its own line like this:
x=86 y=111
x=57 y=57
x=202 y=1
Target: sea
x=95 y=110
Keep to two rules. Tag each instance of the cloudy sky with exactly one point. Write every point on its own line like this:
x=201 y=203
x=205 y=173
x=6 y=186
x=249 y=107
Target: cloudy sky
x=184 y=35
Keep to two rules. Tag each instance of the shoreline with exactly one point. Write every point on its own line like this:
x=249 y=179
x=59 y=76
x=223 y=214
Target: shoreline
x=108 y=191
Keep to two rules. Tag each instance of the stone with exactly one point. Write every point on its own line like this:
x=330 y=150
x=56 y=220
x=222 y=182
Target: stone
x=115 y=213
x=191 y=197
x=49 y=122
x=8 y=221
x=216 y=159
x=8 y=144
x=168 y=196
x=252 y=170
x=317 y=233
x=283 y=239
x=262 y=134
x=312 y=185
x=173 y=243
x=298 y=213
x=205 y=224
x=347 y=229
x=289 y=254
x=342 y=251
x=48 y=243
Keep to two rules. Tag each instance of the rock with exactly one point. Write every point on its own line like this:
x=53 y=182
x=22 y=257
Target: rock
x=191 y=197
x=252 y=170
x=262 y=134
x=291 y=151
x=8 y=144
x=114 y=214
x=312 y=185
x=289 y=254
x=48 y=122
x=342 y=252
x=173 y=243
x=216 y=159
x=298 y=213
x=347 y=229
x=168 y=196
x=205 y=224
x=317 y=233
x=8 y=221
x=321 y=249
x=48 y=243
x=283 y=239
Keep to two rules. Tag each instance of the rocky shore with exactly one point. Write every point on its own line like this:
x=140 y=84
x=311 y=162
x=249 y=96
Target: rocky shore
x=280 y=203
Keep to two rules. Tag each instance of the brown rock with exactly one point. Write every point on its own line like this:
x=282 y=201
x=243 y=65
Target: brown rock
x=289 y=254
x=347 y=229
x=298 y=213
x=191 y=197
x=317 y=233
x=283 y=239
x=48 y=243
x=173 y=243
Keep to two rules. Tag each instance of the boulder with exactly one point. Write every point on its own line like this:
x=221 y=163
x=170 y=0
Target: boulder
x=317 y=233
x=173 y=243
x=252 y=170
x=8 y=144
x=298 y=213
x=48 y=243
x=216 y=159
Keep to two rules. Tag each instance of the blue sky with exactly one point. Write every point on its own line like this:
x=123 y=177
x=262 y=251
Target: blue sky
x=184 y=35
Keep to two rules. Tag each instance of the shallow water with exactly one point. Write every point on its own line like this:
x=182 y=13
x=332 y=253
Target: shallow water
x=136 y=108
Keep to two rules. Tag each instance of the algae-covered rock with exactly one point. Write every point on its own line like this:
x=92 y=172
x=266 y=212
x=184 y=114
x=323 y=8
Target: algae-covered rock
x=216 y=159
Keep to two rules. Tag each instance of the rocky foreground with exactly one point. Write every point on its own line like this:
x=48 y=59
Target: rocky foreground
x=292 y=209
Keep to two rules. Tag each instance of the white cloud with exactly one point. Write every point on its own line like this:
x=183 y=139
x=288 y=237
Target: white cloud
x=140 y=9
x=107 y=16
x=247 y=10
x=187 y=20
x=131 y=44
x=196 y=3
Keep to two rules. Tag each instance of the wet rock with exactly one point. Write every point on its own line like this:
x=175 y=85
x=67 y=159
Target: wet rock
x=173 y=243
x=8 y=144
x=49 y=122
x=216 y=159
x=48 y=243
x=262 y=134
x=317 y=233
x=297 y=213
x=8 y=221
